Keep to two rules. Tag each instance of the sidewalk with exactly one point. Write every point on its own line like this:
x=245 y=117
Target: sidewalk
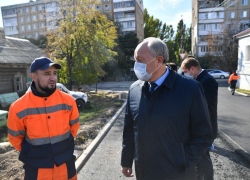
x=104 y=164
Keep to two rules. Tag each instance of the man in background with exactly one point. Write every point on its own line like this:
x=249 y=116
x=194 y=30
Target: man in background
x=191 y=67
x=233 y=79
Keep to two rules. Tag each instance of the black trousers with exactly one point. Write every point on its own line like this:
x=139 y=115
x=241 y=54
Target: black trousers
x=205 y=167
x=233 y=86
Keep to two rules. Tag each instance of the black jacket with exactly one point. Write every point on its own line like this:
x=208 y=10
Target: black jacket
x=167 y=133
x=210 y=87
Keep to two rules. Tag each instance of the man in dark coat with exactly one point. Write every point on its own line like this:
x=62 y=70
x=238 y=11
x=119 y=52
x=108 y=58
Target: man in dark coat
x=166 y=128
x=210 y=86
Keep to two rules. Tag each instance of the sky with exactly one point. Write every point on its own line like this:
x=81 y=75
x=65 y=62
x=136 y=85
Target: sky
x=168 y=11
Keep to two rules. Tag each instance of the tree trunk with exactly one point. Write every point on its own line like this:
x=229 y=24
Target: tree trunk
x=70 y=80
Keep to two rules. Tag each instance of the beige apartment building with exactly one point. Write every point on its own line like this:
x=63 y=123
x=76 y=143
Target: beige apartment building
x=209 y=17
x=29 y=20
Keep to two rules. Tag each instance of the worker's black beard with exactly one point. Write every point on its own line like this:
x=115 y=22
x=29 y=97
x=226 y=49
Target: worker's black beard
x=48 y=91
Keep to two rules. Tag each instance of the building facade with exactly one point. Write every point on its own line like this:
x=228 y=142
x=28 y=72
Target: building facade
x=16 y=55
x=29 y=20
x=210 y=17
x=244 y=59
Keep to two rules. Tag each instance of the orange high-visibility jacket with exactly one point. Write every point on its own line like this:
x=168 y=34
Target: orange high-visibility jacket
x=43 y=128
x=234 y=77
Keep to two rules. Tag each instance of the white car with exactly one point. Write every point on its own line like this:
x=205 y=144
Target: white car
x=219 y=74
x=80 y=97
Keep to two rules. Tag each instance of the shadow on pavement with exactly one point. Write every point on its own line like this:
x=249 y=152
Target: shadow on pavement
x=231 y=156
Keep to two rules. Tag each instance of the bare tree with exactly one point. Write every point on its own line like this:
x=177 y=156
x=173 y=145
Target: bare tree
x=223 y=47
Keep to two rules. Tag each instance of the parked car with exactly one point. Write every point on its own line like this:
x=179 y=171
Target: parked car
x=80 y=97
x=209 y=70
x=219 y=74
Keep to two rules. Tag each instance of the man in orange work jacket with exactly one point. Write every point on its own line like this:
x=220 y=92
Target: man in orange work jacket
x=42 y=125
x=233 y=81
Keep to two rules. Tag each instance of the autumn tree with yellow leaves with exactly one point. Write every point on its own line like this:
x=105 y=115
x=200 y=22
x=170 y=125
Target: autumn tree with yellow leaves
x=82 y=41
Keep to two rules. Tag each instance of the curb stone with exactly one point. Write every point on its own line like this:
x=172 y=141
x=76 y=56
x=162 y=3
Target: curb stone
x=236 y=148
x=94 y=144
x=243 y=94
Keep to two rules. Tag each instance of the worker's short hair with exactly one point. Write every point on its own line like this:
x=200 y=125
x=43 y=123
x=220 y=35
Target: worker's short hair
x=190 y=61
x=173 y=66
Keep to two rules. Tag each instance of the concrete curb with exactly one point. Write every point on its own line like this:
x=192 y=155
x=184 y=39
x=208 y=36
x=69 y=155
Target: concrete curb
x=243 y=94
x=236 y=148
x=93 y=145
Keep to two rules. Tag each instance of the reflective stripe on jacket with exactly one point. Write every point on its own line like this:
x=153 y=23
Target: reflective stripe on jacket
x=234 y=77
x=43 y=128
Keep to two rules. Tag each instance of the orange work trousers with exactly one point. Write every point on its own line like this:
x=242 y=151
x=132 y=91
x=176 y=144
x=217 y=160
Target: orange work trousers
x=56 y=173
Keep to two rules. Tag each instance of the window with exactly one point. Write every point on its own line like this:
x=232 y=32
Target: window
x=19 y=83
x=231 y=15
x=22 y=28
x=20 y=11
x=27 y=9
x=105 y=0
x=33 y=8
x=204 y=48
x=124 y=4
x=23 y=36
x=9 y=12
x=106 y=7
x=42 y=25
x=34 y=26
x=243 y=2
x=12 y=28
x=247 y=53
x=28 y=27
x=27 y=18
x=130 y=15
x=49 y=5
x=231 y=3
x=21 y=19
x=40 y=8
x=34 y=17
x=204 y=4
x=35 y=35
x=29 y=35
x=119 y=15
x=40 y=16
x=10 y=22
x=243 y=14
x=215 y=3
x=99 y=8
x=203 y=38
x=128 y=24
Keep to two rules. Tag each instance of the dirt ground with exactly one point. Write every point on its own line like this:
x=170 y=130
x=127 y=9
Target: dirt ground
x=12 y=169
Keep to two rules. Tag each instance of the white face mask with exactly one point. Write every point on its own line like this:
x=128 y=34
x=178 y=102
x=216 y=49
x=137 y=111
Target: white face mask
x=141 y=71
x=188 y=75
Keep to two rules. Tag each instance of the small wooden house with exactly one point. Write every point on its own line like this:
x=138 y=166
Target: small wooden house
x=16 y=55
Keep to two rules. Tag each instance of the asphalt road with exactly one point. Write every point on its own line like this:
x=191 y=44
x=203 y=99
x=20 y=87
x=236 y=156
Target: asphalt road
x=234 y=115
x=233 y=120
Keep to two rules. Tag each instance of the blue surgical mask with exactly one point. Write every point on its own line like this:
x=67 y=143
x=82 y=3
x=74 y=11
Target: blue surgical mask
x=141 y=71
x=188 y=75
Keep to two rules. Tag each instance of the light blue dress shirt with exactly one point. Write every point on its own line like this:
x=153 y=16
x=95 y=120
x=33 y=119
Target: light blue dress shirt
x=161 y=79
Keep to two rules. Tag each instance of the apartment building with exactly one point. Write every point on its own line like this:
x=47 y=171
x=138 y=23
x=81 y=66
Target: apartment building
x=29 y=20
x=25 y=20
x=210 y=16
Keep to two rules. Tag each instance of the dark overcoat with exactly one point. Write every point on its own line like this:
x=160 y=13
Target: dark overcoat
x=167 y=133
x=210 y=87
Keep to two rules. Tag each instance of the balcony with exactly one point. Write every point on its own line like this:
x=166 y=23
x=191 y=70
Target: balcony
x=124 y=9
x=126 y=19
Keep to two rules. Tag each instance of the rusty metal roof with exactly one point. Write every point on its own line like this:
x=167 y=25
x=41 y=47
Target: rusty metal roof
x=243 y=32
x=15 y=50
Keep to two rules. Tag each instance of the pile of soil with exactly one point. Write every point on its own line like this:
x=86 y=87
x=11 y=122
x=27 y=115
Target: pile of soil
x=12 y=169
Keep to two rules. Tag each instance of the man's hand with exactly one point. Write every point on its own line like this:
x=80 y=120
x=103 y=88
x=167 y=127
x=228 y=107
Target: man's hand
x=127 y=171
